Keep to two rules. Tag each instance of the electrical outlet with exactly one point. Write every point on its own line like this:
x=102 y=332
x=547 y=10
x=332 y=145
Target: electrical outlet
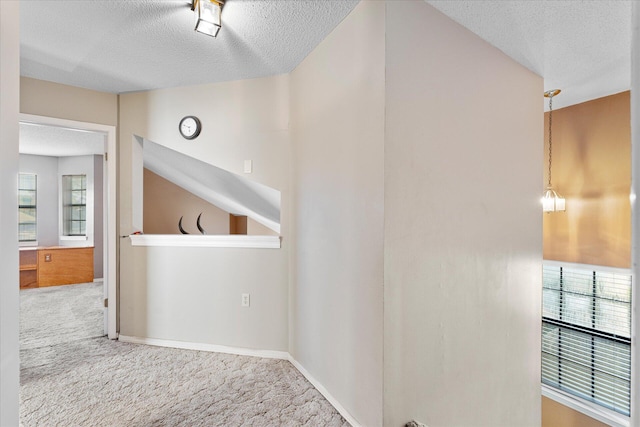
x=246 y=300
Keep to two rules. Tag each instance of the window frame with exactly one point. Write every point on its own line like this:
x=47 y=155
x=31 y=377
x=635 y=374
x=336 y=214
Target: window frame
x=68 y=206
x=34 y=207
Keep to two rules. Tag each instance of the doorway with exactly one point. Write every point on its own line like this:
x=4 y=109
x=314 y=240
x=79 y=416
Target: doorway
x=69 y=136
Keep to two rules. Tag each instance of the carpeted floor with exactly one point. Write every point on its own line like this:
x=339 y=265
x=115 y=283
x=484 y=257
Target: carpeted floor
x=72 y=376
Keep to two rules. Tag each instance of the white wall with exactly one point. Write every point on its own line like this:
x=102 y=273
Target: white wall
x=241 y=120
x=9 y=282
x=46 y=169
x=194 y=295
x=463 y=241
x=337 y=124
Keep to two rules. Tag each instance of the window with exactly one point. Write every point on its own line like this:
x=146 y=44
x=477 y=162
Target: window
x=586 y=333
x=27 y=195
x=74 y=202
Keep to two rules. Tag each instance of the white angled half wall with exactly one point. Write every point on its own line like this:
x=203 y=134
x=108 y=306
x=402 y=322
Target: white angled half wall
x=231 y=192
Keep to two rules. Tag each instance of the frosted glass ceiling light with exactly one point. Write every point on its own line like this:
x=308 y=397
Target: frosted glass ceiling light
x=208 y=16
x=551 y=200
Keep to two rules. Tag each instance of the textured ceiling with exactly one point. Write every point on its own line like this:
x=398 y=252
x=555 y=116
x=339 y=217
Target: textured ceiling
x=582 y=47
x=117 y=46
x=55 y=141
x=124 y=45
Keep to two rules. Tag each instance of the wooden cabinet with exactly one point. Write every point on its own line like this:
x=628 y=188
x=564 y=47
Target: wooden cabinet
x=52 y=266
x=28 y=268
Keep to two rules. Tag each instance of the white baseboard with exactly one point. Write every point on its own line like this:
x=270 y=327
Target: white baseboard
x=345 y=414
x=268 y=354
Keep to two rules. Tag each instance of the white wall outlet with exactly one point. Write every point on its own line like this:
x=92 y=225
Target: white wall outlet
x=248 y=166
x=246 y=300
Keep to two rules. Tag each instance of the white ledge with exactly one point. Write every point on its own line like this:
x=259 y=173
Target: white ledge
x=70 y=238
x=206 y=241
x=587 y=408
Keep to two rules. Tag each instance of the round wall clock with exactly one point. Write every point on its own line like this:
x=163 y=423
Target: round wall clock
x=190 y=127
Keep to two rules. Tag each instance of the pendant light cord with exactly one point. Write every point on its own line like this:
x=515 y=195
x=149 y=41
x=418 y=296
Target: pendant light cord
x=550 y=118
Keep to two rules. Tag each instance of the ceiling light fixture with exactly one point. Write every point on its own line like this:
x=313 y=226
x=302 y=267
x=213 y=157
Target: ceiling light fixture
x=551 y=201
x=208 y=13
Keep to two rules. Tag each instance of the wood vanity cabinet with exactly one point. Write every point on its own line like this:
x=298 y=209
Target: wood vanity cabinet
x=56 y=265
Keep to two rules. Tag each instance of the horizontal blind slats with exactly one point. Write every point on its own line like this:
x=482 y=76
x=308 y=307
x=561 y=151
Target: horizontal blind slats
x=586 y=333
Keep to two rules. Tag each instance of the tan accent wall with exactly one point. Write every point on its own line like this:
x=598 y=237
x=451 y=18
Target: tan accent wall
x=49 y=99
x=165 y=203
x=555 y=414
x=592 y=168
x=254 y=228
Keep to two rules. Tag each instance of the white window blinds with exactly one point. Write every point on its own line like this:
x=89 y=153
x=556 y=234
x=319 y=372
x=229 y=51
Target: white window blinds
x=27 y=207
x=586 y=333
x=74 y=205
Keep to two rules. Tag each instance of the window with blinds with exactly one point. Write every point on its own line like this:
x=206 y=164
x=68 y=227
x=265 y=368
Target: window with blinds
x=27 y=209
x=75 y=205
x=586 y=333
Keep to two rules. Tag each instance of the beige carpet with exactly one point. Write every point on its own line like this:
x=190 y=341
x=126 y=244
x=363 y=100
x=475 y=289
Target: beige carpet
x=71 y=376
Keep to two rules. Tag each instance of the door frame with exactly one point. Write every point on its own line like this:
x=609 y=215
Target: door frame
x=110 y=212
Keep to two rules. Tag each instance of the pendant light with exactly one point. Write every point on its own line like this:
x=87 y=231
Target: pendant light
x=551 y=201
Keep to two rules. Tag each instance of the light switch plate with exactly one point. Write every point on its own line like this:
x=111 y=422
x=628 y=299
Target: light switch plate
x=248 y=166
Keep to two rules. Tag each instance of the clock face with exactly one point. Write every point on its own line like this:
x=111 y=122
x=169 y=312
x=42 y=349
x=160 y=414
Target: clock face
x=190 y=127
